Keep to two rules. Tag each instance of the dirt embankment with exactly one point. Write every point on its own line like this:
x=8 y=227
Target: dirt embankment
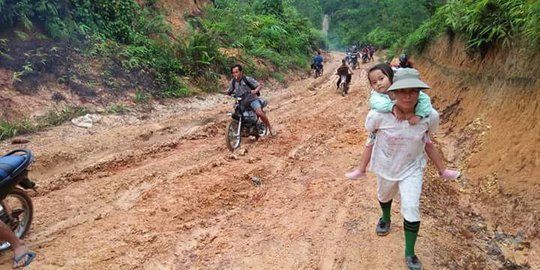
x=491 y=117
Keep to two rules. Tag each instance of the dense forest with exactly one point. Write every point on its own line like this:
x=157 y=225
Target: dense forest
x=380 y=23
x=411 y=24
x=128 y=44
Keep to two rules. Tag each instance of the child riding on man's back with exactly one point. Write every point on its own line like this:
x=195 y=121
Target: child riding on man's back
x=380 y=78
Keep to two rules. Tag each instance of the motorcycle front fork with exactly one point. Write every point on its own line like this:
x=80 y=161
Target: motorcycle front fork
x=239 y=127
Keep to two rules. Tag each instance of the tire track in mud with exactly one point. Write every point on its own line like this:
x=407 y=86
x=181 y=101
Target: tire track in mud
x=307 y=147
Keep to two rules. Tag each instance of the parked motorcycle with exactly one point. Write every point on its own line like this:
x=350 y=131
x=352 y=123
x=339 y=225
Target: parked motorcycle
x=16 y=208
x=244 y=123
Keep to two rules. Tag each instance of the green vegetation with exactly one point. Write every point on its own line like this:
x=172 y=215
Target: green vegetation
x=379 y=22
x=482 y=24
x=257 y=29
x=51 y=118
x=410 y=25
x=118 y=109
x=310 y=9
x=136 y=35
x=141 y=97
x=11 y=129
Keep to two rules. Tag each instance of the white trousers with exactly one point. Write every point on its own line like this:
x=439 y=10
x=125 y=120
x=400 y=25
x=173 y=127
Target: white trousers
x=409 y=189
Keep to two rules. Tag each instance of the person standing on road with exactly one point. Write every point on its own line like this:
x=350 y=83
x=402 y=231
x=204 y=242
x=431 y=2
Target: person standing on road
x=249 y=90
x=398 y=158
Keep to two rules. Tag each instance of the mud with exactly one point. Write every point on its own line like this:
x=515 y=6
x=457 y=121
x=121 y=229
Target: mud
x=160 y=190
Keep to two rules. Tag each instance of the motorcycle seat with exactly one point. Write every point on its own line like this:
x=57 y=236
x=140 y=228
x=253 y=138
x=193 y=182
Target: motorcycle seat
x=11 y=165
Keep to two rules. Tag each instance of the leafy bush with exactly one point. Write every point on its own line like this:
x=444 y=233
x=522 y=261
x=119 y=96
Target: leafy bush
x=417 y=41
x=381 y=37
x=138 y=38
x=260 y=32
x=483 y=24
x=532 y=23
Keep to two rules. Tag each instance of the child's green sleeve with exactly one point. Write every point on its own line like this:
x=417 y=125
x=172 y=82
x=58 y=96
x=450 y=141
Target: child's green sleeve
x=381 y=102
x=423 y=107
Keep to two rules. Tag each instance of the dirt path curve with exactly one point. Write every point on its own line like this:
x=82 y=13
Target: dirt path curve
x=165 y=193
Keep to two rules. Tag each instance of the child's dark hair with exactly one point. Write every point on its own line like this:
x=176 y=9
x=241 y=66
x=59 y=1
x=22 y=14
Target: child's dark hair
x=385 y=69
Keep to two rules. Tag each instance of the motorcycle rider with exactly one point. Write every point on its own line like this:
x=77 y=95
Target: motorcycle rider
x=317 y=61
x=371 y=52
x=249 y=90
x=354 y=58
x=365 y=54
x=404 y=62
x=22 y=256
x=344 y=69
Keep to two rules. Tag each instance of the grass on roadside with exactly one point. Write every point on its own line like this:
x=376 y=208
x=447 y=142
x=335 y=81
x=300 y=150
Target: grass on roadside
x=53 y=117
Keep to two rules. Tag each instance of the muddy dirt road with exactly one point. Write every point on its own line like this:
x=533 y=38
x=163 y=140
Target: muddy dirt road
x=161 y=191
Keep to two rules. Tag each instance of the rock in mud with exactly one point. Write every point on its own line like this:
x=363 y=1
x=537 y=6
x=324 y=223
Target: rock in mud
x=477 y=227
x=86 y=121
x=19 y=141
x=242 y=152
x=256 y=181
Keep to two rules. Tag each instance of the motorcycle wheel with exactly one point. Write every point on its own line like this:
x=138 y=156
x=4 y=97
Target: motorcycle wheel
x=261 y=130
x=232 y=139
x=342 y=87
x=18 y=211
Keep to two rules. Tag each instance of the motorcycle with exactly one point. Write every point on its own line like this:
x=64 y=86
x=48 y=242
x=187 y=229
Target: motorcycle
x=244 y=123
x=318 y=70
x=354 y=60
x=16 y=208
x=343 y=85
x=365 y=57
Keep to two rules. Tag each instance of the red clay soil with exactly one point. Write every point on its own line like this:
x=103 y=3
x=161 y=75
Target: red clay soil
x=160 y=190
x=492 y=126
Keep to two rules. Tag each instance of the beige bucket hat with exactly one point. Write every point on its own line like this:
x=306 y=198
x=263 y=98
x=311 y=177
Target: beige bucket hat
x=407 y=78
